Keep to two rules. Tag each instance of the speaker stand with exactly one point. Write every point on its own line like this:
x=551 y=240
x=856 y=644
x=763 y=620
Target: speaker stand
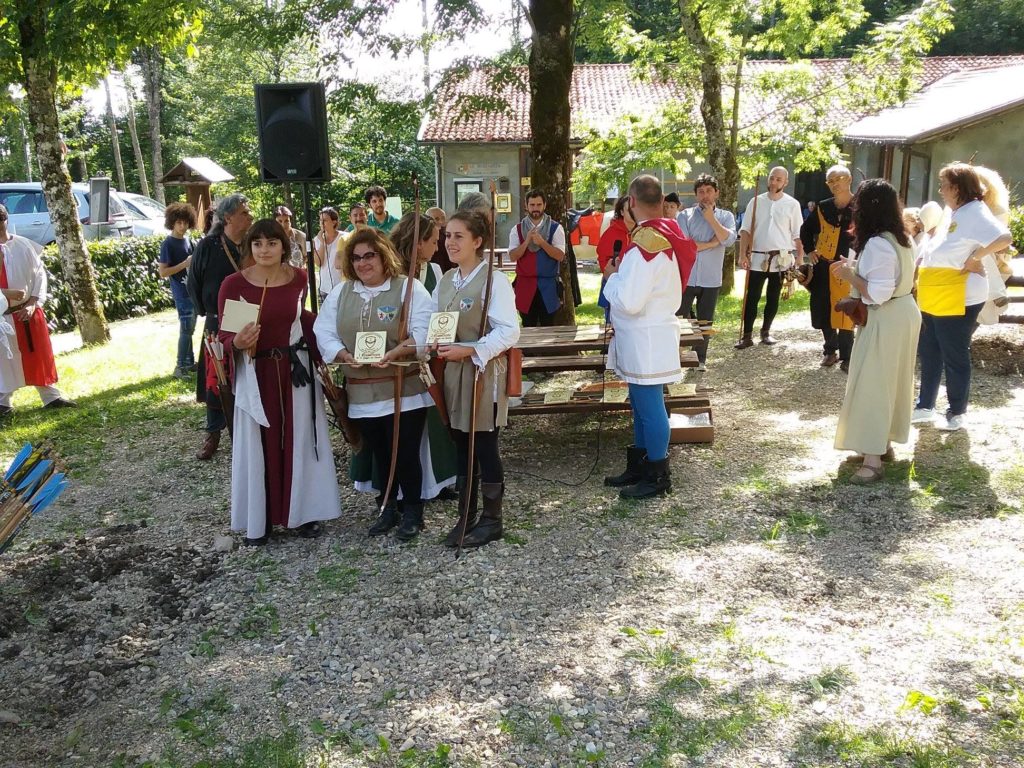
x=314 y=297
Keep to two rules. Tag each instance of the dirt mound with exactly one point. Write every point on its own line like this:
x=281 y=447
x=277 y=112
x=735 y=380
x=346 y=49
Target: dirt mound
x=998 y=355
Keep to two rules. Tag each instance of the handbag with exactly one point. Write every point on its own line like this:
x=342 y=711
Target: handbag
x=854 y=308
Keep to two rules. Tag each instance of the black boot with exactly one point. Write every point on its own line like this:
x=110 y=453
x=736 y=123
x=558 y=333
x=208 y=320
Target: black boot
x=452 y=539
x=387 y=519
x=488 y=528
x=656 y=480
x=412 y=521
x=744 y=342
x=634 y=460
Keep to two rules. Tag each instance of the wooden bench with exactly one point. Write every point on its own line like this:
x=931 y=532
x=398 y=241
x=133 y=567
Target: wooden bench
x=583 y=362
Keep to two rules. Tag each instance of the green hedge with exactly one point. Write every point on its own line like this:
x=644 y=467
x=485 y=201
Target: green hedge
x=1017 y=226
x=126 y=275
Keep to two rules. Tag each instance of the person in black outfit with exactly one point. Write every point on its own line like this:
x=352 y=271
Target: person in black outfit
x=826 y=236
x=217 y=255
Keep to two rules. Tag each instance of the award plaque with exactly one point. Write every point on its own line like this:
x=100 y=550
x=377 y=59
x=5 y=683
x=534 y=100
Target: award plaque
x=370 y=346
x=442 y=328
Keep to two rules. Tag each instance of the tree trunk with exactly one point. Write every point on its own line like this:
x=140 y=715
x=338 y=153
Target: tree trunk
x=152 y=64
x=41 y=87
x=551 y=65
x=26 y=148
x=140 y=163
x=118 y=165
x=721 y=145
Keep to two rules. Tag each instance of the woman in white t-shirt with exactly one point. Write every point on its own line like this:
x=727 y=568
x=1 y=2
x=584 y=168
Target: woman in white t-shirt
x=945 y=344
x=325 y=251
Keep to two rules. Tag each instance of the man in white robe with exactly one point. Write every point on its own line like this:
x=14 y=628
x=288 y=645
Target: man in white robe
x=31 y=362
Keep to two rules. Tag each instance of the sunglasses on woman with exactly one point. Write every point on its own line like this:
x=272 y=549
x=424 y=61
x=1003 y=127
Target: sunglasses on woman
x=357 y=257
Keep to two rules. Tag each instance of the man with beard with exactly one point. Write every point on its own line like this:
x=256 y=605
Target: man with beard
x=218 y=255
x=767 y=251
x=826 y=237
x=356 y=217
x=376 y=197
x=537 y=246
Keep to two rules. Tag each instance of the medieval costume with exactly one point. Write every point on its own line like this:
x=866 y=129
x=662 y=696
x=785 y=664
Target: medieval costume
x=827 y=231
x=353 y=307
x=776 y=226
x=880 y=391
x=31 y=362
x=537 y=286
x=465 y=295
x=215 y=258
x=282 y=465
x=644 y=295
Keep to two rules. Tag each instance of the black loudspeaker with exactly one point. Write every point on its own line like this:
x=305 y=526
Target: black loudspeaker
x=291 y=119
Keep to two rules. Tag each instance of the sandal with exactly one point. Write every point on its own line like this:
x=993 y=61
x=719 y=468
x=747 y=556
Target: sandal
x=877 y=473
x=858 y=458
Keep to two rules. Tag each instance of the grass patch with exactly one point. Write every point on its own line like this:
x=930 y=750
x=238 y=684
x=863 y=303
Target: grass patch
x=205 y=645
x=201 y=722
x=876 y=747
x=1005 y=701
x=829 y=680
x=802 y=523
x=338 y=578
x=260 y=622
x=730 y=721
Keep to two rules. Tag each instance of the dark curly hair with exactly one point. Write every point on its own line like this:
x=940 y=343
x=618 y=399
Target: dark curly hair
x=877 y=209
x=176 y=212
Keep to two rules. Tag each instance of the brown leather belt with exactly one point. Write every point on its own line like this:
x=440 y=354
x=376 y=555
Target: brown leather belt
x=370 y=379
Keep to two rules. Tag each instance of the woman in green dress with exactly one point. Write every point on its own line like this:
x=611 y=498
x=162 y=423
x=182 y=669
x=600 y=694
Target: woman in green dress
x=437 y=453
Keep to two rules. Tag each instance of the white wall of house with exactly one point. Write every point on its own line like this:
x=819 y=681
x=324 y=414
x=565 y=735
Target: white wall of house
x=996 y=143
x=472 y=166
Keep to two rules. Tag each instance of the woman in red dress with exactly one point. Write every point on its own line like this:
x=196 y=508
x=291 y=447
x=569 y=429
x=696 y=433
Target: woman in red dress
x=282 y=466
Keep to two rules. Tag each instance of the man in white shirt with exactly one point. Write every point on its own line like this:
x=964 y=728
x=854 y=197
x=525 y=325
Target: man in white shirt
x=769 y=238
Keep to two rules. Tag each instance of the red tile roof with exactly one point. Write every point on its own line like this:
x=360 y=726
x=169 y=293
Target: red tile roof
x=603 y=94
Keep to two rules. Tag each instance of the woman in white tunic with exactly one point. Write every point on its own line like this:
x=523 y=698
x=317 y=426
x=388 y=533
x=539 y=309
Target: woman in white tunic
x=371 y=301
x=880 y=388
x=474 y=356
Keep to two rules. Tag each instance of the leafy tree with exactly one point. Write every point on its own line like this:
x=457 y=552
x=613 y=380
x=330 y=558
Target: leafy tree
x=50 y=45
x=793 y=111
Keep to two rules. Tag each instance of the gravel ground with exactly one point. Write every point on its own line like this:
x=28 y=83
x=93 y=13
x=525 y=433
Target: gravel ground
x=766 y=613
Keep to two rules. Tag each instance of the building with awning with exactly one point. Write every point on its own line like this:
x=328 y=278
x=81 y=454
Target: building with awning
x=973 y=115
x=965 y=106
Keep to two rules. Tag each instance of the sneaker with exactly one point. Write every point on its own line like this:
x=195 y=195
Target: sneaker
x=952 y=423
x=922 y=416
x=701 y=367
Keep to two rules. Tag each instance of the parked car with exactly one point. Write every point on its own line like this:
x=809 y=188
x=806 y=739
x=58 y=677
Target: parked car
x=27 y=210
x=147 y=214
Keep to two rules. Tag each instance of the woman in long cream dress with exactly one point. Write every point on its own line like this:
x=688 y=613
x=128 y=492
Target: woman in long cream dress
x=880 y=388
